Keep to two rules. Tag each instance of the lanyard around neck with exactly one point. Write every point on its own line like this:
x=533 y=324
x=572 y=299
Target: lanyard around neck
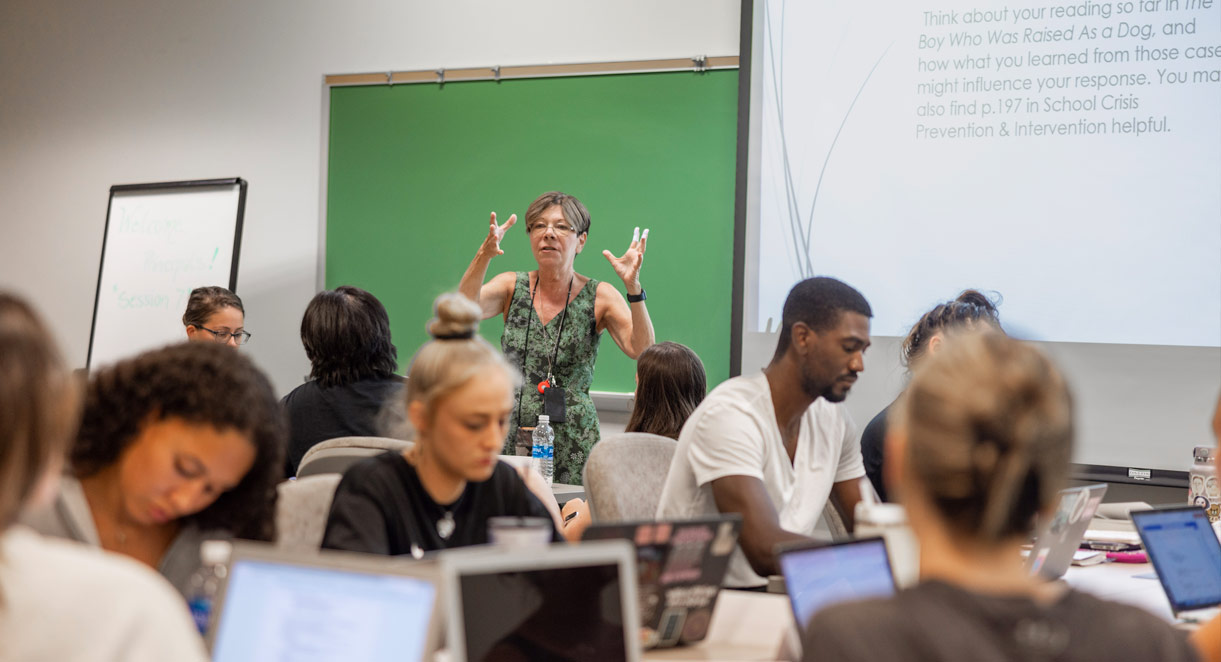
x=555 y=352
x=525 y=350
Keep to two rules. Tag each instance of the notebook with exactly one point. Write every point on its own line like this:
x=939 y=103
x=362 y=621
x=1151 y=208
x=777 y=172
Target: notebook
x=1185 y=552
x=1060 y=534
x=556 y=603
x=818 y=575
x=680 y=566
x=324 y=606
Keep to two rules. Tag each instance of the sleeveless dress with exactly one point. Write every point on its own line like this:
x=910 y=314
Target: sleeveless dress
x=573 y=371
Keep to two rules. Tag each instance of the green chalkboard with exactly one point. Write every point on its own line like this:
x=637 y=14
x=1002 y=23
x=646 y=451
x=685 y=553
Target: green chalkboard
x=414 y=171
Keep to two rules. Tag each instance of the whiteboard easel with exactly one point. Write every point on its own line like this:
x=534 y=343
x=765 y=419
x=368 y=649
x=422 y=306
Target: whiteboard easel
x=161 y=241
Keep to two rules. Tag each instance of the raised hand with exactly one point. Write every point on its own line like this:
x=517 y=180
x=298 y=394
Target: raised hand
x=491 y=244
x=628 y=266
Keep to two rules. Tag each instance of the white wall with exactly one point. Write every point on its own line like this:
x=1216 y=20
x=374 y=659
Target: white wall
x=130 y=91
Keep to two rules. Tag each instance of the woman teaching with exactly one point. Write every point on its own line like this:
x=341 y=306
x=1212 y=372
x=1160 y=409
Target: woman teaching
x=554 y=318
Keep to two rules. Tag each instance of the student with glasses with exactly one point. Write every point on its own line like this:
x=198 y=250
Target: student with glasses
x=554 y=319
x=214 y=314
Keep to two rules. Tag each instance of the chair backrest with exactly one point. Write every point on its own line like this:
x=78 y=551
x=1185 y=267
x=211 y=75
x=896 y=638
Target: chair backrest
x=624 y=476
x=302 y=510
x=334 y=456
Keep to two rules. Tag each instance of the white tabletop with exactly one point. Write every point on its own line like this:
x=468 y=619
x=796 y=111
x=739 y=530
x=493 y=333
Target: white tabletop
x=745 y=626
x=1122 y=582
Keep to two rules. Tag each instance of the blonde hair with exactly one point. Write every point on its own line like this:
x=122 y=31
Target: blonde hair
x=455 y=354
x=989 y=426
x=39 y=405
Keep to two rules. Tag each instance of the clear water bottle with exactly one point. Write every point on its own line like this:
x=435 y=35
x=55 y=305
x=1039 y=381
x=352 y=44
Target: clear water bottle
x=543 y=451
x=205 y=583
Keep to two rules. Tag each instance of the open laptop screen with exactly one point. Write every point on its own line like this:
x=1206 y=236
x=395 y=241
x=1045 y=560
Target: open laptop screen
x=680 y=565
x=819 y=576
x=279 y=611
x=1186 y=554
x=549 y=614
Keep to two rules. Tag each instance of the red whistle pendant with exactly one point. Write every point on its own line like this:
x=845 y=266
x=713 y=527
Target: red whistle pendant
x=544 y=385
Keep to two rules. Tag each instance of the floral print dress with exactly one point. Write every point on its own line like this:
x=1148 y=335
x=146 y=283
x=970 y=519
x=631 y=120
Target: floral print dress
x=528 y=344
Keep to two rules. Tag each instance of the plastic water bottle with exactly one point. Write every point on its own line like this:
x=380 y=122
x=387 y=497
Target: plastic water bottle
x=206 y=581
x=543 y=451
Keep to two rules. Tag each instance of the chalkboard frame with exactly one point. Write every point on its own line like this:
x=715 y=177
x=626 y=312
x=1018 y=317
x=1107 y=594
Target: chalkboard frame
x=161 y=186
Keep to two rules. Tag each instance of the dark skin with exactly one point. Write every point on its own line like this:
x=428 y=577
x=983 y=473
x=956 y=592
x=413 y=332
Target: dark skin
x=814 y=365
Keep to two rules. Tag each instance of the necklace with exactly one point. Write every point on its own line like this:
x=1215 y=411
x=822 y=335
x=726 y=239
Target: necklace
x=550 y=380
x=445 y=525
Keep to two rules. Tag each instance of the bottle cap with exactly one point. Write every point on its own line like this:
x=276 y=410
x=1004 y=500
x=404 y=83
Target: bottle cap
x=544 y=419
x=215 y=552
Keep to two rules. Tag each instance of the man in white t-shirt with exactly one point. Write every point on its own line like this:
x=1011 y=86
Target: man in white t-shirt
x=773 y=447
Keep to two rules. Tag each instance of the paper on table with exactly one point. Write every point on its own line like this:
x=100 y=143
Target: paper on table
x=1100 y=535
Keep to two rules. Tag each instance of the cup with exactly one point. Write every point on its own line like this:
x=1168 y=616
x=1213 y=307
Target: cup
x=519 y=532
x=889 y=521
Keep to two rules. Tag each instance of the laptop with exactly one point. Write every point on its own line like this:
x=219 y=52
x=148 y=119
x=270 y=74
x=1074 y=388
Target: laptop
x=277 y=605
x=555 y=603
x=1059 y=535
x=680 y=566
x=818 y=575
x=1186 y=554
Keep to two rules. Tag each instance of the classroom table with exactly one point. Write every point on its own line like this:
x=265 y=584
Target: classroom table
x=746 y=625
x=759 y=626
x=565 y=493
x=1130 y=583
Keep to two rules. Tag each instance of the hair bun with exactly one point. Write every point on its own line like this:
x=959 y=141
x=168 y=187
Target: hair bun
x=455 y=317
x=977 y=298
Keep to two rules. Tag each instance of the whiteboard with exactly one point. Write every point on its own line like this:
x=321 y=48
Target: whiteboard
x=161 y=241
x=851 y=171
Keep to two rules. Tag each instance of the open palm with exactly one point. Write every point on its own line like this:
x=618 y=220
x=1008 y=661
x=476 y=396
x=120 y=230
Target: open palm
x=627 y=266
x=491 y=244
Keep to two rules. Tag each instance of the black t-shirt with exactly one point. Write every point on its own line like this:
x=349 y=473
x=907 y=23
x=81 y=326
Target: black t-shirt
x=935 y=621
x=317 y=413
x=381 y=507
x=873 y=446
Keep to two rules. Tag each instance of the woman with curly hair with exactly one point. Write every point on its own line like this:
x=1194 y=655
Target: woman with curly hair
x=110 y=606
x=176 y=446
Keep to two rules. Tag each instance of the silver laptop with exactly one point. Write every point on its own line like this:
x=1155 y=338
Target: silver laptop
x=681 y=564
x=557 y=603
x=1185 y=552
x=324 y=606
x=1060 y=534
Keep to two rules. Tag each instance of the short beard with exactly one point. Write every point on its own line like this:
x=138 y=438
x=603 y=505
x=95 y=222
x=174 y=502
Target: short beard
x=831 y=396
x=814 y=390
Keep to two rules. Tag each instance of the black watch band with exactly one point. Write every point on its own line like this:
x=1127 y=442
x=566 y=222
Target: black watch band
x=633 y=298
